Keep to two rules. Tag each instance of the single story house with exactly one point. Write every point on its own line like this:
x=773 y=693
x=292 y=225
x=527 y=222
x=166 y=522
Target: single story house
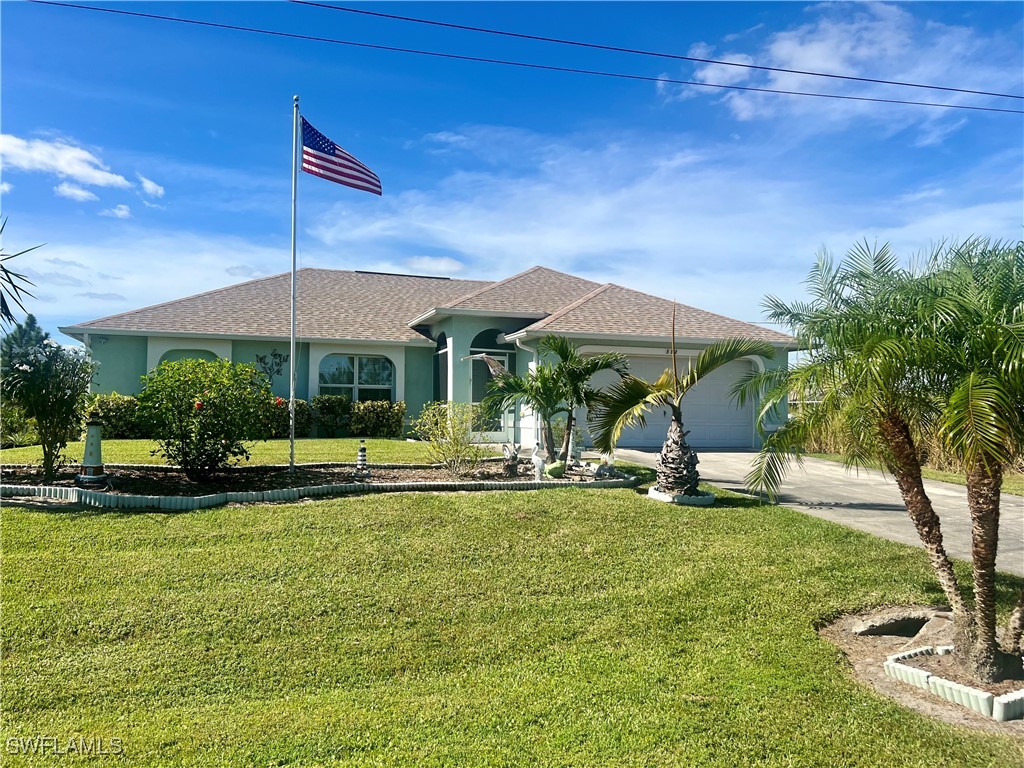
x=396 y=337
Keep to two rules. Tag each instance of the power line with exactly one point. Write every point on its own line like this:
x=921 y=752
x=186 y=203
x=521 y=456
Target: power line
x=520 y=64
x=641 y=52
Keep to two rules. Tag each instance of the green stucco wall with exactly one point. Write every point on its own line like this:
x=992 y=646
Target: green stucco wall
x=246 y=352
x=419 y=380
x=122 y=362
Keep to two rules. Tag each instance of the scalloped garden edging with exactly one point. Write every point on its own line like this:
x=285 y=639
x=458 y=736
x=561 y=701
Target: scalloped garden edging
x=104 y=500
x=1009 y=706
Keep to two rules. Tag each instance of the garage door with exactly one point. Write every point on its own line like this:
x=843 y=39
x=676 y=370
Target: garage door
x=709 y=413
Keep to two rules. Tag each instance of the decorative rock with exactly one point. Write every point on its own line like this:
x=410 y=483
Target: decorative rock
x=701 y=500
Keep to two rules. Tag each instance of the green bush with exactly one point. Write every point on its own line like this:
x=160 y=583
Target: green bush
x=377 y=418
x=50 y=384
x=280 y=427
x=119 y=415
x=448 y=430
x=204 y=412
x=16 y=428
x=332 y=414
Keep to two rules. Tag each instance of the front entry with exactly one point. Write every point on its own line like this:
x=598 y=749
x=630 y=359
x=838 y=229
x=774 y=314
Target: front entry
x=497 y=428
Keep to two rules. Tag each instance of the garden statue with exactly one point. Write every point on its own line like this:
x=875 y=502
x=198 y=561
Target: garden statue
x=538 y=463
x=511 y=463
x=362 y=468
x=92 y=462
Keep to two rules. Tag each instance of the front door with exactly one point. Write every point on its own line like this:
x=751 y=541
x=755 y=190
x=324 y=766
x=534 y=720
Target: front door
x=497 y=427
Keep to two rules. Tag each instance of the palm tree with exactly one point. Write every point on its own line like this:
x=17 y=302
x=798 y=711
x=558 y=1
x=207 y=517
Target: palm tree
x=540 y=388
x=626 y=404
x=551 y=388
x=883 y=371
x=12 y=284
x=972 y=311
x=575 y=372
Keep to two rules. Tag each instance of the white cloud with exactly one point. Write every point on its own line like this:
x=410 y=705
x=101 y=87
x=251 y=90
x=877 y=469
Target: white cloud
x=5 y=187
x=435 y=265
x=60 y=158
x=73 y=192
x=150 y=187
x=876 y=40
x=121 y=211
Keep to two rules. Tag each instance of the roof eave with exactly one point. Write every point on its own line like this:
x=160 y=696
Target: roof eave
x=527 y=333
x=439 y=313
x=79 y=332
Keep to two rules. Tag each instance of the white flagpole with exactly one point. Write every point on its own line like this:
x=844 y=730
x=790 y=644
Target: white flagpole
x=291 y=354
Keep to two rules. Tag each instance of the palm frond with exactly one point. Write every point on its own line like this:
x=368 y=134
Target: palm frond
x=624 y=404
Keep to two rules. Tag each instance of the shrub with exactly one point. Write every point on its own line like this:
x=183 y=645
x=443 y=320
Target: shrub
x=377 y=418
x=119 y=415
x=204 y=412
x=332 y=414
x=280 y=427
x=448 y=430
x=50 y=384
x=16 y=428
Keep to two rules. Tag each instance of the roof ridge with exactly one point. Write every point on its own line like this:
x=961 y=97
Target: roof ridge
x=570 y=307
x=489 y=286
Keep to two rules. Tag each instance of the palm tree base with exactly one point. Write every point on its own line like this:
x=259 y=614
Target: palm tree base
x=697 y=500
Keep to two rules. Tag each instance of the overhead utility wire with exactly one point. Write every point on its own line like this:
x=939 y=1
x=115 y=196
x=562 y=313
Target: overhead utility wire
x=640 y=52
x=521 y=64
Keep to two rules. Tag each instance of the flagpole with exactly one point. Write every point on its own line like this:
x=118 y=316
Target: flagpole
x=291 y=354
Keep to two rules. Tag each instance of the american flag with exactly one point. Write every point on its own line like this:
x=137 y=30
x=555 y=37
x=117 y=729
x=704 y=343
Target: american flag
x=322 y=157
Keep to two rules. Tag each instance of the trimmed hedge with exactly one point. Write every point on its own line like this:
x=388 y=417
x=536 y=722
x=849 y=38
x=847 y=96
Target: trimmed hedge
x=377 y=418
x=332 y=414
x=280 y=420
x=120 y=417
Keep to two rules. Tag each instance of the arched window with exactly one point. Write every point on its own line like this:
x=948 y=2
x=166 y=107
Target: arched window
x=486 y=342
x=358 y=377
x=173 y=355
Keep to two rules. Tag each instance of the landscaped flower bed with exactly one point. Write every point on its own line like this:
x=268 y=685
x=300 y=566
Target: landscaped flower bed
x=155 y=486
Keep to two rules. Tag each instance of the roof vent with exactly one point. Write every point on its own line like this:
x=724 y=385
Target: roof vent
x=399 y=274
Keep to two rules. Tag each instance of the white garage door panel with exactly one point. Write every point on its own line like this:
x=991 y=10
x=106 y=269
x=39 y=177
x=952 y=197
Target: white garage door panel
x=709 y=414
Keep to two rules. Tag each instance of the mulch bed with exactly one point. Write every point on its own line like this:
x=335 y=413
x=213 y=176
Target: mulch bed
x=951 y=666
x=163 y=482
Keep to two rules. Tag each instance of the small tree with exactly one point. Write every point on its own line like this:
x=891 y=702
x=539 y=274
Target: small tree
x=206 y=412
x=448 y=430
x=50 y=383
x=21 y=336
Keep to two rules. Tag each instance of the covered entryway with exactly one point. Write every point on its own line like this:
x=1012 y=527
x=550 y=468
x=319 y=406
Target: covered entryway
x=709 y=413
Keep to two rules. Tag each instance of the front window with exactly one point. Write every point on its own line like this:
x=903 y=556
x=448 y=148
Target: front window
x=358 y=378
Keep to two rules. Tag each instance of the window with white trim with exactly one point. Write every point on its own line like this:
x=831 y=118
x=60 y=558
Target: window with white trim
x=358 y=377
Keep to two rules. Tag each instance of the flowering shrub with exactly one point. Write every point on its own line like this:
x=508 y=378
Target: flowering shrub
x=50 y=383
x=280 y=421
x=377 y=418
x=119 y=415
x=204 y=412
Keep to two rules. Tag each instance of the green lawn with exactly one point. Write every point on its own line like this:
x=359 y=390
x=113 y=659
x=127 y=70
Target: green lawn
x=1013 y=482
x=564 y=627
x=269 y=452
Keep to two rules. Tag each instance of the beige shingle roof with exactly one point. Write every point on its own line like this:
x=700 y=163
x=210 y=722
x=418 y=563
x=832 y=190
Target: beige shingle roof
x=338 y=304
x=333 y=304
x=612 y=309
x=538 y=289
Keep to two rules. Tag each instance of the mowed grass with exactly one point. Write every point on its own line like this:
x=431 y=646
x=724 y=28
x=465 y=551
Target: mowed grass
x=558 y=628
x=1013 y=482
x=270 y=452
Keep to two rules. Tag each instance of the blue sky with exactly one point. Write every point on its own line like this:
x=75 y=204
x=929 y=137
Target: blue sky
x=153 y=159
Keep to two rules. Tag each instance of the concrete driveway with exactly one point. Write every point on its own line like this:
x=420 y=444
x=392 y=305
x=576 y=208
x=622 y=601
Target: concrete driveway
x=866 y=500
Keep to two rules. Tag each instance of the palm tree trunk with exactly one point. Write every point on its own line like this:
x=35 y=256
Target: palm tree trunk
x=984 y=483
x=549 y=441
x=1015 y=630
x=570 y=422
x=906 y=468
x=675 y=475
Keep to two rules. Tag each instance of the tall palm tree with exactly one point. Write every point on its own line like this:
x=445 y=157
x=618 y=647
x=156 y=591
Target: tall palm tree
x=12 y=284
x=627 y=403
x=972 y=311
x=575 y=372
x=881 y=372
